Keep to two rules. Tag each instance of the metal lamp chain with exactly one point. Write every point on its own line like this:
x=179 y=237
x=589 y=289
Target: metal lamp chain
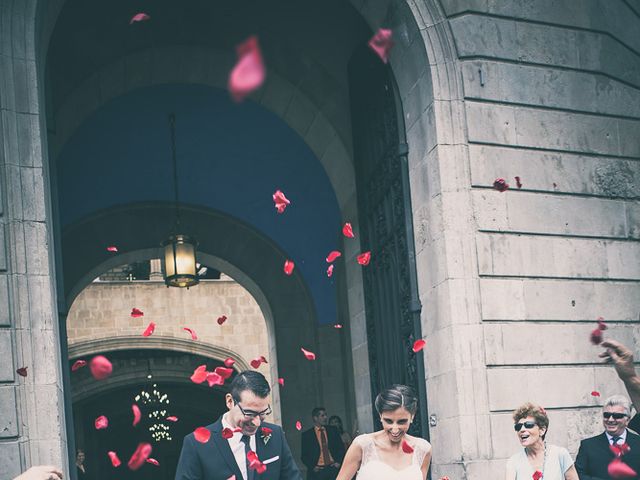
x=172 y=125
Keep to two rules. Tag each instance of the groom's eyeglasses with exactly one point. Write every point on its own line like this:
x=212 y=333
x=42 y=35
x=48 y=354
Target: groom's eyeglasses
x=615 y=415
x=528 y=425
x=251 y=414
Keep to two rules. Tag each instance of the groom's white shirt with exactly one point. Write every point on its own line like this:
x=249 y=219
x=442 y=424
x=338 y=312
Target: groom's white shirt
x=237 y=447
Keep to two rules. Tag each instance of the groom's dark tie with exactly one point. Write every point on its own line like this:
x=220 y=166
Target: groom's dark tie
x=247 y=448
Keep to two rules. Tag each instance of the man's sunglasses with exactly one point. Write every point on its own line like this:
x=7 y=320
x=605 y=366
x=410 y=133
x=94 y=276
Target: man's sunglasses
x=251 y=414
x=528 y=425
x=616 y=415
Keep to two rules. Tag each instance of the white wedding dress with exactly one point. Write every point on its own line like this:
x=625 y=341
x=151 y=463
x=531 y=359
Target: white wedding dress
x=372 y=468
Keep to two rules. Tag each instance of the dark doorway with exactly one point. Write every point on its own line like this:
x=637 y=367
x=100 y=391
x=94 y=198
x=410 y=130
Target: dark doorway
x=158 y=397
x=390 y=280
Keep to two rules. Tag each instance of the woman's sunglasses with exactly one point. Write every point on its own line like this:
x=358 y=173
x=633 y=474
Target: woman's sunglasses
x=528 y=425
x=616 y=415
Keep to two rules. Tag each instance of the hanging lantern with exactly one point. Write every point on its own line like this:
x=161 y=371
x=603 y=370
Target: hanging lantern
x=180 y=269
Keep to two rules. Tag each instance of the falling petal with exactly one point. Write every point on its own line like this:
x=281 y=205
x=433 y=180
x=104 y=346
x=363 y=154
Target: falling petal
x=222 y=319
x=136 y=414
x=347 y=230
x=140 y=456
x=249 y=72
x=281 y=381
x=202 y=434
x=601 y=324
x=172 y=418
x=418 y=345
x=263 y=358
x=364 y=258
x=227 y=433
x=337 y=326
x=193 y=334
x=620 y=449
x=199 y=374
x=330 y=271
x=115 y=461
x=309 y=355
x=22 y=371
x=135 y=313
x=256 y=362
x=229 y=362
x=112 y=249
x=139 y=17
x=288 y=267
x=224 y=372
x=500 y=184
x=518 y=182
x=596 y=336
x=100 y=367
x=595 y=393
x=382 y=43
x=149 y=330
x=406 y=448
x=214 y=378
x=334 y=254
x=153 y=461
x=78 y=364
x=618 y=469
x=281 y=201
x=101 y=422
x=537 y=475
x=298 y=425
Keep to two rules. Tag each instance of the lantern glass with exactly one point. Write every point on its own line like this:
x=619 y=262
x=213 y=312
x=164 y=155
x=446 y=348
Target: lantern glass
x=180 y=268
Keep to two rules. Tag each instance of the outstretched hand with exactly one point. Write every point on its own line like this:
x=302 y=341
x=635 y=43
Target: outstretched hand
x=621 y=358
x=41 y=472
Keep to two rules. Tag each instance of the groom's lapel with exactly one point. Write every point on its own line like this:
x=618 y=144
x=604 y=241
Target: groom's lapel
x=225 y=450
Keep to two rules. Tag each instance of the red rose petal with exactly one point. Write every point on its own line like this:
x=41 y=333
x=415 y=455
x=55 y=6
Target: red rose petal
x=298 y=425
x=601 y=324
x=518 y=182
x=406 y=448
x=135 y=313
x=266 y=431
x=227 y=433
x=620 y=450
x=101 y=422
x=112 y=248
x=249 y=72
x=256 y=362
x=595 y=393
x=334 y=255
x=100 y=367
x=214 y=378
x=596 y=336
x=364 y=258
x=330 y=271
x=618 y=469
x=153 y=461
x=382 y=43
x=193 y=334
x=202 y=434
x=199 y=374
x=537 y=475
x=115 y=461
x=139 y=17
x=140 y=456
x=222 y=319
x=338 y=326
x=22 y=371
x=136 y=414
x=288 y=267
x=172 y=418
x=229 y=362
x=224 y=372
x=418 y=345
x=281 y=201
x=78 y=364
x=263 y=358
x=500 y=184
x=309 y=355
x=281 y=381
x=149 y=330
x=347 y=230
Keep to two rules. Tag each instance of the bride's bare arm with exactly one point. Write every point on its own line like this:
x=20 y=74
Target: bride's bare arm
x=426 y=462
x=351 y=462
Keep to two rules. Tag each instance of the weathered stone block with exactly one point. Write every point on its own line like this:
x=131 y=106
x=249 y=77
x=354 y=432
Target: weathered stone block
x=6 y=352
x=10 y=463
x=5 y=317
x=9 y=409
x=3 y=248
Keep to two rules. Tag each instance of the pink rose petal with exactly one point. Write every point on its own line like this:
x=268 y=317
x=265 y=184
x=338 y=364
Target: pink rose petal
x=298 y=425
x=112 y=249
x=139 y=17
x=172 y=418
x=249 y=72
x=364 y=258
x=330 y=271
x=140 y=456
x=136 y=414
x=100 y=367
x=135 y=313
x=153 y=461
x=280 y=201
x=202 y=434
x=115 y=461
x=199 y=374
x=334 y=255
x=288 y=267
x=418 y=345
x=347 y=230
x=309 y=355
x=101 y=422
x=149 y=330
x=382 y=43
x=192 y=332
x=78 y=364
x=229 y=362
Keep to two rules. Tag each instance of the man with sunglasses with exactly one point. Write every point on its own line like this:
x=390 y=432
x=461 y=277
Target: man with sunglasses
x=238 y=432
x=597 y=452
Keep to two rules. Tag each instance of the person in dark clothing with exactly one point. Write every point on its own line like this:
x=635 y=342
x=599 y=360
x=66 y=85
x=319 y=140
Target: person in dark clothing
x=81 y=469
x=622 y=359
x=322 y=448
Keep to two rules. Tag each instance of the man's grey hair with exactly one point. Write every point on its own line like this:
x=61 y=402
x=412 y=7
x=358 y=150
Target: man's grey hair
x=618 y=400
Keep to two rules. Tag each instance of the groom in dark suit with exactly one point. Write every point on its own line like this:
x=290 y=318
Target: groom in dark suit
x=225 y=453
x=596 y=453
x=322 y=448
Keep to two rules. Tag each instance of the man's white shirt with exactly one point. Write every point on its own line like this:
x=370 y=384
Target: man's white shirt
x=623 y=437
x=237 y=447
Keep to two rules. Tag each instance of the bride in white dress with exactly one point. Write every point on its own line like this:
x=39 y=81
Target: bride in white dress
x=389 y=453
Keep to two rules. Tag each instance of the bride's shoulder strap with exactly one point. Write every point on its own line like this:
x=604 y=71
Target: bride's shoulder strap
x=365 y=442
x=421 y=449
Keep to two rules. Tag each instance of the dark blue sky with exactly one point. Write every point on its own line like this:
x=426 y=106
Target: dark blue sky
x=231 y=157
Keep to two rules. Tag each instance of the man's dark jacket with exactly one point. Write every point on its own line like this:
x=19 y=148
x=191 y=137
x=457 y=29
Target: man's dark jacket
x=214 y=460
x=311 y=448
x=595 y=455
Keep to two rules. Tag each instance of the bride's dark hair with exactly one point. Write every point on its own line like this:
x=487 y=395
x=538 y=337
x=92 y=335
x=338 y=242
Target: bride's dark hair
x=397 y=396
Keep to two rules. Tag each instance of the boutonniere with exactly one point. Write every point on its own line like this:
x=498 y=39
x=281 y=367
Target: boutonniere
x=266 y=434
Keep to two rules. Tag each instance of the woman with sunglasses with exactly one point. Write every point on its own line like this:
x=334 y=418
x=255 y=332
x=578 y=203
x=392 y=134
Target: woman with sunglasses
x=537 y=460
